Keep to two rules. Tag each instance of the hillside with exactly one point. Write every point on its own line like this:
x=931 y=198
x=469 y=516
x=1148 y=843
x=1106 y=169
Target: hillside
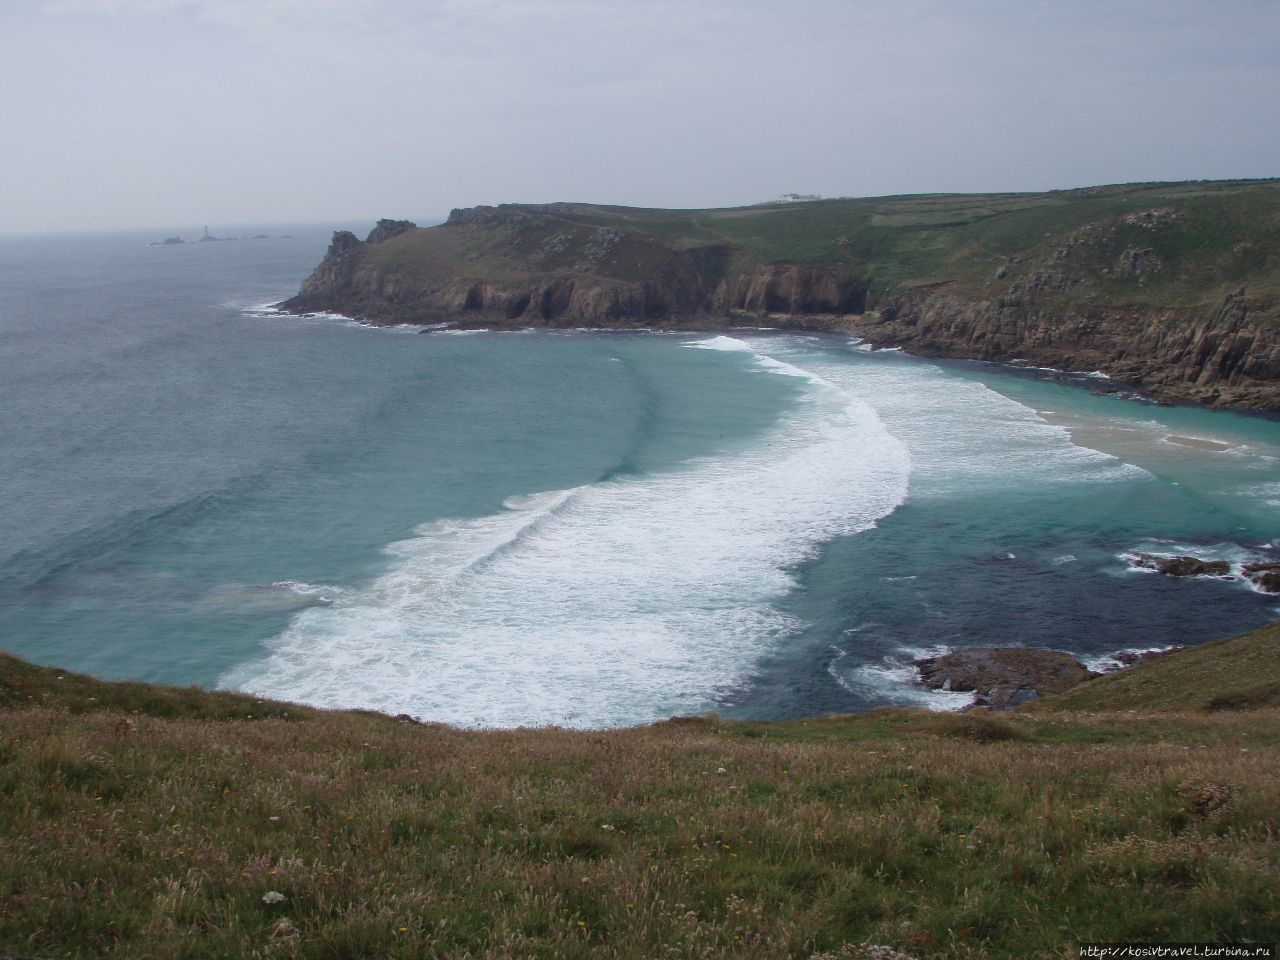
x=1236 y=673
x=143 y=822
x=1175 y=287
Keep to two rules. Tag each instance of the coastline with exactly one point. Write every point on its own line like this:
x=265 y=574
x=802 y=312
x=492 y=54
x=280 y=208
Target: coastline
x=1047 y=368
x=1164 y=287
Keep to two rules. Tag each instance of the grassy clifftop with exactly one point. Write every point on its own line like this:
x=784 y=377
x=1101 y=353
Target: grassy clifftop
x=143 y=822
x=1205 y=238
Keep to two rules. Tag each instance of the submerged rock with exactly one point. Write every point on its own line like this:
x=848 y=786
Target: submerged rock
x=1003 y=677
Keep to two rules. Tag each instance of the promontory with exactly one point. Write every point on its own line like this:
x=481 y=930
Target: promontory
x=1173 y=287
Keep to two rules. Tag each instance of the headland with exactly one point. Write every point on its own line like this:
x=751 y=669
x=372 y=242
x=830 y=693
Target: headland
x=1172 y=287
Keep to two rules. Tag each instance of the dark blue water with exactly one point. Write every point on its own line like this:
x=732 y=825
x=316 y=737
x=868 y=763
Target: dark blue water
x=571 y=528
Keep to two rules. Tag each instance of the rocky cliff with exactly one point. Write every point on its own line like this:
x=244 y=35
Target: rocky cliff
x=685 y=287
x=1218 y=355
x=1173 y=287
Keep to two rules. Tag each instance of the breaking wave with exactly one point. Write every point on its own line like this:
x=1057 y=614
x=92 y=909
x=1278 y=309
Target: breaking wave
x=619 y=602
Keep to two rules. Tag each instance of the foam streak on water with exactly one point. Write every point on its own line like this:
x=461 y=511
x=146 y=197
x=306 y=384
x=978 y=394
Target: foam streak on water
x=624 y=601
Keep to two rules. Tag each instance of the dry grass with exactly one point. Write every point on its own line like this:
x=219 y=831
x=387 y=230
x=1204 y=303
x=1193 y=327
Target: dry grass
x=129 y=835
x=1236 y=673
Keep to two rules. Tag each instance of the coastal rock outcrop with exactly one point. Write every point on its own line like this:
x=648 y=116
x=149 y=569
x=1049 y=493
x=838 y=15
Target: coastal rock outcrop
x=701 y=286
x=386 y=229
x=1223 y=358
x=1264 y=575
x=1003 y=677
x=1181 y=566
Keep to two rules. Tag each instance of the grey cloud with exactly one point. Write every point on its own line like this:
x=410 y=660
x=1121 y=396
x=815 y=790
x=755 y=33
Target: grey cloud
x=157 y=111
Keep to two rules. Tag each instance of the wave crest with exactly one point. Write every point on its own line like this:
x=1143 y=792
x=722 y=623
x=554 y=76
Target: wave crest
x=623 y=601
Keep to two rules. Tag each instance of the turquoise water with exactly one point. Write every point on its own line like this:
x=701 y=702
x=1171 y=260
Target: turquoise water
x=585 y=529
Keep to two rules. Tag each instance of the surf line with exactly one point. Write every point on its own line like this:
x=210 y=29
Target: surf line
x=623 y=601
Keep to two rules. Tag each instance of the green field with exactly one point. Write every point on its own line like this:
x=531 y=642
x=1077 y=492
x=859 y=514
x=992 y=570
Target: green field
x=143 y=822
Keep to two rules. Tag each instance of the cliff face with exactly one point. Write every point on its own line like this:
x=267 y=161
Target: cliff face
x=1175 y=288
x=1219 y=356
x=687 y=288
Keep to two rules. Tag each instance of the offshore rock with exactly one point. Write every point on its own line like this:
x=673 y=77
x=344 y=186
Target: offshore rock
x=1181 y=566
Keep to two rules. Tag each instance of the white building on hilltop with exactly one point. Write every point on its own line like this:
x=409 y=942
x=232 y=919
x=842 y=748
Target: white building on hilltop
x=798 y=197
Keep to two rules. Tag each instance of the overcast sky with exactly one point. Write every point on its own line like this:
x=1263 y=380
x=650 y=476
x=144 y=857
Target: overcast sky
x=123 y=113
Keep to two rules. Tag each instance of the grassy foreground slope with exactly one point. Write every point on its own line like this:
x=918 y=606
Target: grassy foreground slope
x=138 y=822
x=1236 y=673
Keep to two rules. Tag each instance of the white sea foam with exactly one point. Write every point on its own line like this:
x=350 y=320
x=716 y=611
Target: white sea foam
x=1108 y=663
x=1234 y=554
x=619 y=602
x=279 y=597
x=765 y=362
x=962 y=435
x=639 y=598
x=895 y=681
x=1268 y=493
x=268 y=311
x=723 y=342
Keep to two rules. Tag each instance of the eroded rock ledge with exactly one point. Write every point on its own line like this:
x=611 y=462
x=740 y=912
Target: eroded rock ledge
x=1003 y=677
x=1219 y=358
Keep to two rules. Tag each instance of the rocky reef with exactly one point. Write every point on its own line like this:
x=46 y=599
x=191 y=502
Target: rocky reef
x=1264 y=575
x=1003 y=677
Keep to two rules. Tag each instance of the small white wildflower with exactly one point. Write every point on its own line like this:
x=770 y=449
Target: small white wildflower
x=607 y=826
x=272 y=897
x=721 y=770
x=273 y=819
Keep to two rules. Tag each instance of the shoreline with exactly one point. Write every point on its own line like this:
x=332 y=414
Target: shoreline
x=1097 y=381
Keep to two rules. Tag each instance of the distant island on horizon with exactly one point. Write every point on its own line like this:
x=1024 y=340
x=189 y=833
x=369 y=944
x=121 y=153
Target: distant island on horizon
x=210 y=238
x=1173 y=287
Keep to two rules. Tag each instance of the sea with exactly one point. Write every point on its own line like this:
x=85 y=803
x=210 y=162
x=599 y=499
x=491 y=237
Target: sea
x=574 y=528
